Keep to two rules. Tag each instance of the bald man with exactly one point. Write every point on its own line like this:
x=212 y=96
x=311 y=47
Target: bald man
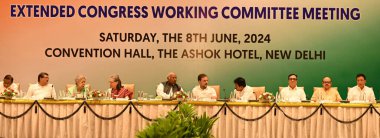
x=326 y=93
x=167 y=89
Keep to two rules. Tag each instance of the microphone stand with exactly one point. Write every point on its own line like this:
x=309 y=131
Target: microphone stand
x=278 y=97
x=224 y=90
x=51 y=94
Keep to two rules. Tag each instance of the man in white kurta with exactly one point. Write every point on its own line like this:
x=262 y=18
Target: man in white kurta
x=292 y=93
x=168 y=88
x=8 y=85
x=242 y=90
x=202 y=92
x=41 y=89
x=13 y=87
x=361 y=93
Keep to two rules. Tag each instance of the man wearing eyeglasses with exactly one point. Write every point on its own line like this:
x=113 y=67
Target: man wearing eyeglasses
x=292 y=93
x=326 y=94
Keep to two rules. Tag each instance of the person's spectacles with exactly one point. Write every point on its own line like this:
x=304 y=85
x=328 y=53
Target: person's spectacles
x=292 y=78
x=328 y=82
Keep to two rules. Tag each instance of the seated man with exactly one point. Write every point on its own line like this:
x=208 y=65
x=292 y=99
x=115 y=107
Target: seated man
x=8 y=85
x=326 y=93
x=361 y=92
x=292 y=93
x=41 y=89
x=202 y=92
x=168 y=88
x=242 y=90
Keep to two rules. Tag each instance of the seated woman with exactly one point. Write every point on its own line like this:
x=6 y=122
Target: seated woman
x=80 y=86
x=117 y=90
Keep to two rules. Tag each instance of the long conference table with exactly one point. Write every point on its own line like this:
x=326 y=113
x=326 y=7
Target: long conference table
x=111 y=118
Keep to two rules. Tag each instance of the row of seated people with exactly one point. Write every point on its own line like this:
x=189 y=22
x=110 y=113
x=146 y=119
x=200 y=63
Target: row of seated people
x=42 y=89
x=167 y=89
x=291 y=93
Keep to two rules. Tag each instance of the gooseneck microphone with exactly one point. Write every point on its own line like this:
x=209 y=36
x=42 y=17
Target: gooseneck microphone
x=224 y=90
x=51 y=92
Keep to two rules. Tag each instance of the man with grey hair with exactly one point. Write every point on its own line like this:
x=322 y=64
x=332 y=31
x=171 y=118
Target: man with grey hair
x=167 y=89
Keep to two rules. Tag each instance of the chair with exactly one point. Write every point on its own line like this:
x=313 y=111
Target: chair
x=131 y=88
x=258 y=91
x=217 y=90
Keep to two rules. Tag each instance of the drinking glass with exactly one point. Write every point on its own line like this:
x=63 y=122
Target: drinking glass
x=145 y=95
x=191 y=96
x=150 y=97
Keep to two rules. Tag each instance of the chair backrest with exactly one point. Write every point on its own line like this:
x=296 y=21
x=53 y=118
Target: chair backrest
x=131 y=88
x=280 y=88
x=258 y=91
x=316 y=88
x=71 y=85
x=217 y=90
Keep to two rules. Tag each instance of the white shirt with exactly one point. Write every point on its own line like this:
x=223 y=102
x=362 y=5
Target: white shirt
x=288 y=94
x=37 y=92
x=160 y=91
x=366 y=94
x=13 y=86
x=203 y=94
x=246 y=93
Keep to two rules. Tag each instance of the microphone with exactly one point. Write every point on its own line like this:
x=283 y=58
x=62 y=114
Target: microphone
x=85 y=91
x=276 y=97
x=224 y=90
x=51 y=93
